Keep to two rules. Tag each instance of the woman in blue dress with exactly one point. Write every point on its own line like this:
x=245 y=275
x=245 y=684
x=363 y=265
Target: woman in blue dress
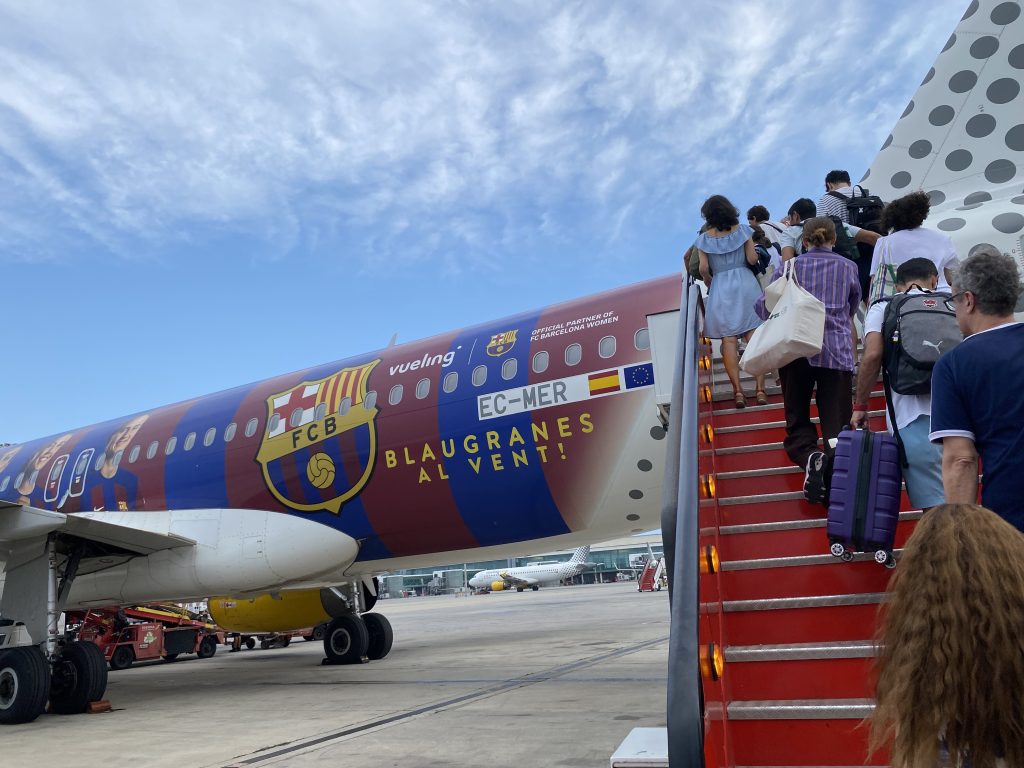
x=726 y=250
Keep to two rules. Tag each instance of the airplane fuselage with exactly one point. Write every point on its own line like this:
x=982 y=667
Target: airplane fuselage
x=541 y=427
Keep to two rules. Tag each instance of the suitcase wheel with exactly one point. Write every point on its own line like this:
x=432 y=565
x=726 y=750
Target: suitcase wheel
x=847 y=556
x=891 y=561
x=882 y=557
x=837 y=549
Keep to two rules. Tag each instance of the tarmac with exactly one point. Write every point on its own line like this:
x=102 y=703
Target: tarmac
x=557 y=677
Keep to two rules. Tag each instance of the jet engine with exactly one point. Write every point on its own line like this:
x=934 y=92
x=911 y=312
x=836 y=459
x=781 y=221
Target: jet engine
x=285 y=611
x=497 y=586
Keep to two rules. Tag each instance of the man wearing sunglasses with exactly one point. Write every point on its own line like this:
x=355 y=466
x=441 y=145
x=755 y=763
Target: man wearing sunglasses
x=978 y=389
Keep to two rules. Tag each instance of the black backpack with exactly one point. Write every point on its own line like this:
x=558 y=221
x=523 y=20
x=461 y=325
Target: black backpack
x=845 y=245
x=864 y=210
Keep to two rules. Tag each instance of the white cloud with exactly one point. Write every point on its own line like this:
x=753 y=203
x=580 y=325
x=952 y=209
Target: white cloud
x=402 y=132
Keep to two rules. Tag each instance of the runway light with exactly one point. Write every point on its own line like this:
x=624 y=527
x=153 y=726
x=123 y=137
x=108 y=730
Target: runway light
x=707 y=486
x=707 y=434
x=712 y=663
x=709 y=562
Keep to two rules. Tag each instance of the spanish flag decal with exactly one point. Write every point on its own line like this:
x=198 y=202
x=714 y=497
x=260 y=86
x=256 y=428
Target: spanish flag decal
x=604 y=382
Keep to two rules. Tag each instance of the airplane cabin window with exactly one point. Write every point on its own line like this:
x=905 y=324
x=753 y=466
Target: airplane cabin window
x=540 y=362
x=371 y=400
x=5 y=483
x=395 y=396
x=99 y=462
x=35 y=474
x=346 y=405
x=573 y=354
x=172 y=443
x=422 y=388
x=117 y=459
x=642 y=339
x=190 y=440
x=229 y=432
x=320 y=412
x=209 y=437
x=296 y=418
x=606 y=347
x=479 y=376
x=133 y=454
x=275 y=422
x=153 y=448
x=509 y=368
x=250 y=427
x=451 y=381
x=18 y=479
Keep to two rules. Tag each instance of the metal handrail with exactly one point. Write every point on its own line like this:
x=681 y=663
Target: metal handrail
x=680 y=504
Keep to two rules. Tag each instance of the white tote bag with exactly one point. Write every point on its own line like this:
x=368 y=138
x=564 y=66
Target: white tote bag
x=794 y=329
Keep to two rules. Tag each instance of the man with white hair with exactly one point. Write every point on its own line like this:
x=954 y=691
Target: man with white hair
x=977 y=404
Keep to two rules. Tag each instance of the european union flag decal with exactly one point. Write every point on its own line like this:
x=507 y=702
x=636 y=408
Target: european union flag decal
x=637 y=376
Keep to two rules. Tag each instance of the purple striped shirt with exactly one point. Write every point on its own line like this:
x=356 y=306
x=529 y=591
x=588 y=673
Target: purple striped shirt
x=833 y=280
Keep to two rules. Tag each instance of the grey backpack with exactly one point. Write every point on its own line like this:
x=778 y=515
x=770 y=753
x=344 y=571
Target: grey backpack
x=916 y=331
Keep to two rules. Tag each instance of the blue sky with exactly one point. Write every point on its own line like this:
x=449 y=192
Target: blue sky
x=195 y=197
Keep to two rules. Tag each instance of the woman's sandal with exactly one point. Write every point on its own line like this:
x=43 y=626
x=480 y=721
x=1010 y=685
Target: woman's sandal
x=741 y=399
x=762 y=397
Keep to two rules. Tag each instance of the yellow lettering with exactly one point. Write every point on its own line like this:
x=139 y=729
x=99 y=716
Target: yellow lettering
x=543 y=451
x=586 y=425
x=408 y=459
x=519 y=457
x=424 y=477
x=516 y=437
x=390 y=459
x=475 y=464
x=470 y=444
x=540 y=431
x=563 y=426
x=448 y=448
x=440 y=471
x=427 y=453
x=493 y=443
x=496 y=462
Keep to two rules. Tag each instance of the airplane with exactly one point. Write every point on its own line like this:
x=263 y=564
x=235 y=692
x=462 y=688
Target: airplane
x=283 y=499
x=534 y=575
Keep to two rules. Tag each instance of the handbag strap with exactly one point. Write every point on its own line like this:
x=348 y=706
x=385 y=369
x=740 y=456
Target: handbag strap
x=790 y=271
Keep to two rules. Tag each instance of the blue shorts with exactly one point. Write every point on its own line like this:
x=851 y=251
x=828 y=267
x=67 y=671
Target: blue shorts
x=924 y=475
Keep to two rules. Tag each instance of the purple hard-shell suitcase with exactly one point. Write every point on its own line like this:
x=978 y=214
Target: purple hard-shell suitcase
x=864 y=500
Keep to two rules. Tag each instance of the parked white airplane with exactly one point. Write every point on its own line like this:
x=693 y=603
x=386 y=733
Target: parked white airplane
x=533 y=575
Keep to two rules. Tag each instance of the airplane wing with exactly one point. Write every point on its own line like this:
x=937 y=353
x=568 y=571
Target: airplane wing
x=23 y=524
x=517 y=581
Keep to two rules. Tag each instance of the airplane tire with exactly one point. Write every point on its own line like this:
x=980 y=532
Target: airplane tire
x=75 y=678
x=346 y=640
x=382 y=637
x=170 y=657
x=535 y=588
x=207 y=647
x=250 y=643
x=99 y=673
x=24 y=684
x=122 y=658
x=519 y=589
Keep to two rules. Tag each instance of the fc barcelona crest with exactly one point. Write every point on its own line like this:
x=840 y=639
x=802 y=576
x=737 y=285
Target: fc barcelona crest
x=501 y=343
x=320 y=442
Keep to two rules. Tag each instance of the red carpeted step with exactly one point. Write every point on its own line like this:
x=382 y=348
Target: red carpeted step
x=801 y=621
x=820 y=574
x=821 y=671
x=789 y=538
x=784 y=742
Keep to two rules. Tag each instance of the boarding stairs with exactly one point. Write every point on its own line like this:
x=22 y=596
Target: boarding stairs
x=651 y=576
x=786 y=629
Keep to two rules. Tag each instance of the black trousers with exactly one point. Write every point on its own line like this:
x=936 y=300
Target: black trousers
x=835 y=407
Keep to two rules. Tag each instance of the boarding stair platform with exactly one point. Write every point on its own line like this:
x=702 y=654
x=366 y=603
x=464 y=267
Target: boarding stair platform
x=785 y=631
x=651 y=576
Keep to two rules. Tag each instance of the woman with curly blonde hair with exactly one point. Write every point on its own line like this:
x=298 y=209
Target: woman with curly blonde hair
x=951 y=661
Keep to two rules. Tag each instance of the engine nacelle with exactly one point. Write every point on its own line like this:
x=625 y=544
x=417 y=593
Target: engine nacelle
x=284 y=612
x=497 y=586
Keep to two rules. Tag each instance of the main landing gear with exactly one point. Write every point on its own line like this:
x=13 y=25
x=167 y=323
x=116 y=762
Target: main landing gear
x=352 y=639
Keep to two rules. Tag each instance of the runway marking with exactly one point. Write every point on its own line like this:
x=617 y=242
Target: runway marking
x=343 y=734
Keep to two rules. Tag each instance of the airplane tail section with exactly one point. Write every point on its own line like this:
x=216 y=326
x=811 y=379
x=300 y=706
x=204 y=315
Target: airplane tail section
x=580 y=555
x=961 y=137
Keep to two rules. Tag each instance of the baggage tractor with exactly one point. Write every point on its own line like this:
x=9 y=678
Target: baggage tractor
x=864 y=500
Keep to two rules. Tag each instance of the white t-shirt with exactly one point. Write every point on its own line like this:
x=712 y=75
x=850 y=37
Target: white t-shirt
x=771 y=230
x=906 y=407
x=916 y=243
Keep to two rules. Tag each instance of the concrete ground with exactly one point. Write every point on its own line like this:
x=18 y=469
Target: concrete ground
x=554 y=678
